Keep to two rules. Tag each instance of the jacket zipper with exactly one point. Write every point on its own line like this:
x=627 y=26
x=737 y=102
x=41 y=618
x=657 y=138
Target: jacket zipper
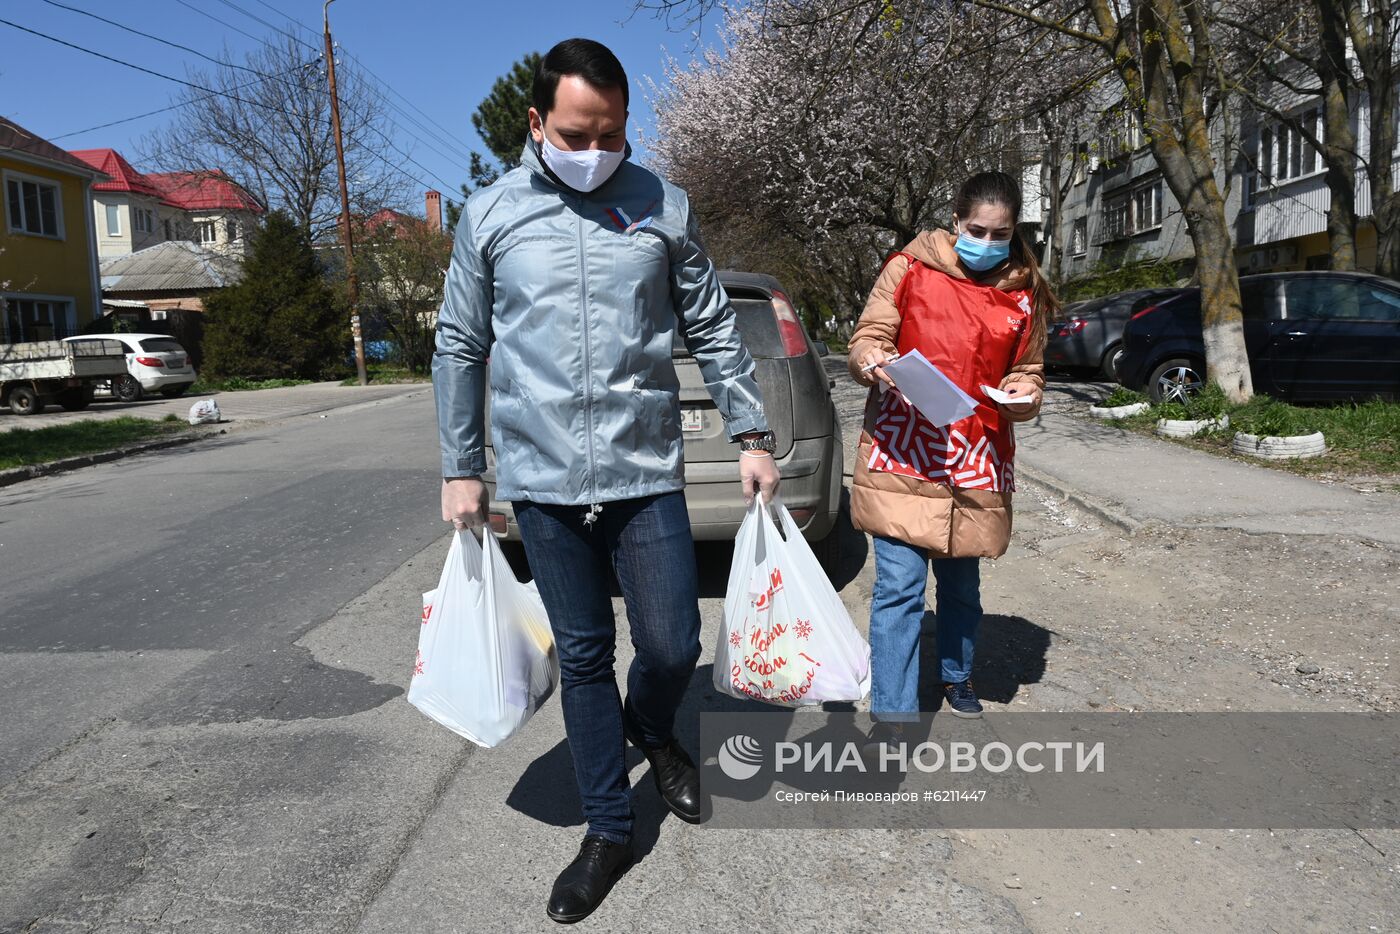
x=587 y=372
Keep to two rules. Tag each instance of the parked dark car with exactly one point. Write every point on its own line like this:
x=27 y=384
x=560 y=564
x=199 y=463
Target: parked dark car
x=797 y=399
x=1087 y=338
x=1310 y=337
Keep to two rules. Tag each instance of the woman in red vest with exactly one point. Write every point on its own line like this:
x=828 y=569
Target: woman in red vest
x=975 y=304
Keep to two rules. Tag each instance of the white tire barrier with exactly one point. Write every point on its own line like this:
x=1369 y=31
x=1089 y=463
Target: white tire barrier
x=1119 y=411
x=1189 y=427
x=1273 y=448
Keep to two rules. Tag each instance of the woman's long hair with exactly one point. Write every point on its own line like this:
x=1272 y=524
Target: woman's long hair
x=1001 y=189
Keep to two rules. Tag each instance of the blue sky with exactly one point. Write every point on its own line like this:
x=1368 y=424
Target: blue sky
x=441 y=56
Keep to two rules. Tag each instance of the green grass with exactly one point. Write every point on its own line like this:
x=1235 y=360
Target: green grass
x=21 y=447
x=1122 y=396
x=1363 y=439
x=239 y=384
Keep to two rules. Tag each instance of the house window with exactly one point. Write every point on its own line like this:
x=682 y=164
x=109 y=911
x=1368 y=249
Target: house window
x=1147 y=208
x=232 y=229
x=34 y=206
x=1133 y=212
x=1079 y=237
x=29 y=319
x=168 y=230
x=143 y=220
x=114 y=220
x=206 y=231
x=1115 y=218
x=1285 y=153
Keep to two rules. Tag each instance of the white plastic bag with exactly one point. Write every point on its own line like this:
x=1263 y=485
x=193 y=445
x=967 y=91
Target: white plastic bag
x=787 y=638
x=486 y=657
x=205 y=412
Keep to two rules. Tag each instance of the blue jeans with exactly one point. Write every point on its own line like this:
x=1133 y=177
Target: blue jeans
x=896 y=616
x=647 y=543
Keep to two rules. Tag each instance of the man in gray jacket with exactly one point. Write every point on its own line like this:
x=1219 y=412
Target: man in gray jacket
x=572 y=273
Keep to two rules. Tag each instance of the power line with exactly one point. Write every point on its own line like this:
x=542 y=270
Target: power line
x=190 y=6
x=456 y=160
x=234 y=97
x=435 y=125
x=152 y=113
x=137 y=32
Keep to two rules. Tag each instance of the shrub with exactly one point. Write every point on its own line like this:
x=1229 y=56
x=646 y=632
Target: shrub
x=282 y=320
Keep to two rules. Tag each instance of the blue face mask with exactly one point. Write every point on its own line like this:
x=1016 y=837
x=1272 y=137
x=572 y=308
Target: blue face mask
x=981 y=255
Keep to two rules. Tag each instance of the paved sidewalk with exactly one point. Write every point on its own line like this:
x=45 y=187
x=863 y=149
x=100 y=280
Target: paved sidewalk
x=1155 y=482
x=258 y=405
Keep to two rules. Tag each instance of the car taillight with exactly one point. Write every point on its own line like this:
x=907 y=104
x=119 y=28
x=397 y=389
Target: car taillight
x=789 y=326
x=150 y=361
x=498 y=523
x=1072 y=326
x=1146 y=311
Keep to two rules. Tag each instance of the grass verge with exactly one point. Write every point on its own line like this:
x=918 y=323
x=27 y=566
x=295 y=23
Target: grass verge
x=1363 y=439
x=22 y=447
x=381 y=373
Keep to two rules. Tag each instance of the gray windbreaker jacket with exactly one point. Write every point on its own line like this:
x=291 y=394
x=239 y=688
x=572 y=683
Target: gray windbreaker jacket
x=576 y=298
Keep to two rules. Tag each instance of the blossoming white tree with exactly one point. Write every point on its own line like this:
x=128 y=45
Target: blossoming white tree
x=821 y=136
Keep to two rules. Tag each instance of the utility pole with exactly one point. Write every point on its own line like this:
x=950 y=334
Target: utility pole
x=346 y=236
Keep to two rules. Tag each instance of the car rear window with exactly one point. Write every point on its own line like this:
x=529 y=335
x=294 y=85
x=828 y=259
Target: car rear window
x=161 y=345
x=758 y=328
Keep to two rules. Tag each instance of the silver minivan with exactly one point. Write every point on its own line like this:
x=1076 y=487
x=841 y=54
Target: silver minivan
x=797 y=398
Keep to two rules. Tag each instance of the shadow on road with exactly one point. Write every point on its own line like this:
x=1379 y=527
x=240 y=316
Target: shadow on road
x=1011 y=652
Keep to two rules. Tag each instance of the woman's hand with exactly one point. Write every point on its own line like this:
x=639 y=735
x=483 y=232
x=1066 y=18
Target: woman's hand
x=875 y=358
x=1020 y=389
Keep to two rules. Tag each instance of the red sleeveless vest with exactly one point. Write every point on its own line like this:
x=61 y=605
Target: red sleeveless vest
x=973 y=333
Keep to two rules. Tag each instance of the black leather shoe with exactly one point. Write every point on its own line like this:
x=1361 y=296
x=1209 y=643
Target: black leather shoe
x=585 y=882
x=677 y=779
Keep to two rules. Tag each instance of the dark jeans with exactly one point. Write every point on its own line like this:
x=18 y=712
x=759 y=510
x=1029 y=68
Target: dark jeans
x=647 y=543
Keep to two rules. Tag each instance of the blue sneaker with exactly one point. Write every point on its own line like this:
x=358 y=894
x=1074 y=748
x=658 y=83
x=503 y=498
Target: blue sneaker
x=962 y=700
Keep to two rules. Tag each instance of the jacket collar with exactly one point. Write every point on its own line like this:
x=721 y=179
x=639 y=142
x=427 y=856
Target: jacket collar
x=934 y=248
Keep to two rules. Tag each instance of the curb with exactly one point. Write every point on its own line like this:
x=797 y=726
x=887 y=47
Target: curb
x=1111 y=514
x=34 y=471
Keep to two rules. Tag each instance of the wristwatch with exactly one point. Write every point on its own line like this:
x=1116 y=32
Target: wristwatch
x=762 y=441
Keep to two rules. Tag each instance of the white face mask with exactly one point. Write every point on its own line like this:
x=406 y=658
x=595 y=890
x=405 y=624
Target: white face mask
x=584 y=170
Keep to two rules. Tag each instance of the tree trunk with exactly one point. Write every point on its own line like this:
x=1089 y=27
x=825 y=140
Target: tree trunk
x=1339 y=139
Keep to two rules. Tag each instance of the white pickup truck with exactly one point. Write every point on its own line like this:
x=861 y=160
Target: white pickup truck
x=37 y=372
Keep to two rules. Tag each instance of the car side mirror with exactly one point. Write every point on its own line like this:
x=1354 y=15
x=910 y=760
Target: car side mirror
x=822 y=349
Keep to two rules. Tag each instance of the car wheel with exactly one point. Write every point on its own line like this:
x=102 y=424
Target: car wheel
x=1109 y=365
x=171 y=392
x=127 y=388
x=25 y=401
x=1176 y=380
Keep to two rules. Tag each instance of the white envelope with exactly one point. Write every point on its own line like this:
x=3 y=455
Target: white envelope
x=1005 y=398
x=928 y=389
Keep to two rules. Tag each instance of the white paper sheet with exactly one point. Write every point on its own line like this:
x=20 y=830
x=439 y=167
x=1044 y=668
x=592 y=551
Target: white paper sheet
x=996 y=395
x=926 y=388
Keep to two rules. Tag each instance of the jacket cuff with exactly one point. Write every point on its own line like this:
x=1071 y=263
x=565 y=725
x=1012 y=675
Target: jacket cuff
x=464 y=465
x=744 y=422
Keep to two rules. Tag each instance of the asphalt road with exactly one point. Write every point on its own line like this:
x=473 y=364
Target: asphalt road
x=148 y=650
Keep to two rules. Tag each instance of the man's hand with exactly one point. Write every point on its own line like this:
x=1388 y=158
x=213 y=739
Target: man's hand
x=464 y=502
x=759 y=473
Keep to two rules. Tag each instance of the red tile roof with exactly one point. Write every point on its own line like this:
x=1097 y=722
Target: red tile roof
x=124 y=177
x=205 y=191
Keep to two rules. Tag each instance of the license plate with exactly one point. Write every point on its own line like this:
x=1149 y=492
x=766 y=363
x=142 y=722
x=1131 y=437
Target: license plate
x=692 y=421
